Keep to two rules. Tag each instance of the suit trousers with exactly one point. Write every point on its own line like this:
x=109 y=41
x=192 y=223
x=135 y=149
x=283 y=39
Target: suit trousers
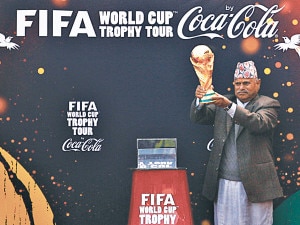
x=232 y=206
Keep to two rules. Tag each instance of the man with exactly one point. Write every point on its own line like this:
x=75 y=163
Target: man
x=241 y=177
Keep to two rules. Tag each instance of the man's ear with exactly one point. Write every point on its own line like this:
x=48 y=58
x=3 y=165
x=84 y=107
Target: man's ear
x=258 y=82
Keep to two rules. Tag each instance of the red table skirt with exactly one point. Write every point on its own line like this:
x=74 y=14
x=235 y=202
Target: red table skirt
x=160 y=196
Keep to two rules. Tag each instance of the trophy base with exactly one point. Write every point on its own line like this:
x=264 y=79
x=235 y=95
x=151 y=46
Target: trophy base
x=207 y=97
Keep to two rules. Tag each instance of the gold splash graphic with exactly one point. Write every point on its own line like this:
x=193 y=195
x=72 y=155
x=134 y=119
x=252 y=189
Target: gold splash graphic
x=22 y=201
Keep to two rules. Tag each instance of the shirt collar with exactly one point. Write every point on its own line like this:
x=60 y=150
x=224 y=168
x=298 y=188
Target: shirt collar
x=241 y=103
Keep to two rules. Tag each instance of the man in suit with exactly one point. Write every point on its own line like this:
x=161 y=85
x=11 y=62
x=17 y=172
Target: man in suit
x=241 y=177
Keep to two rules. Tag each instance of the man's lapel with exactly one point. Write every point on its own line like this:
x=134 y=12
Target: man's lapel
x=250 y=107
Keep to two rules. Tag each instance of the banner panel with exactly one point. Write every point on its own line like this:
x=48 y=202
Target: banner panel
x=81 y=81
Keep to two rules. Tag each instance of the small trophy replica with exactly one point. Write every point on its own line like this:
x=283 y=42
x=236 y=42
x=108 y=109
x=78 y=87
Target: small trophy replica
x=202 y=59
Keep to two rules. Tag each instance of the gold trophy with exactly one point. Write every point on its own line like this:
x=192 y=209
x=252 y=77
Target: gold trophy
x=202 y=59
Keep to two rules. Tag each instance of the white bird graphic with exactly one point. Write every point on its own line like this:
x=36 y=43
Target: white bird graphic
x=6 y=42
x=290 y=44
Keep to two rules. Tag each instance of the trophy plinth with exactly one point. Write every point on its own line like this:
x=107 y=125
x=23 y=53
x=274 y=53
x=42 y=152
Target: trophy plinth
x=202 y=59
x=207 y=97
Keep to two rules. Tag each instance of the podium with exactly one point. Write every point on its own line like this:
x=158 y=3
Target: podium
x=160 y=196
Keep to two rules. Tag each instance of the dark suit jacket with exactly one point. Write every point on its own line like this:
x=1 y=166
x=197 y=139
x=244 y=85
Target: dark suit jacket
x=254 y=146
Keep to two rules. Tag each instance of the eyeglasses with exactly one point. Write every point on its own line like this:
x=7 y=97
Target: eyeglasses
x=245 y=83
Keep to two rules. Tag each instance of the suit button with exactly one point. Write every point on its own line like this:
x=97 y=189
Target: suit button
x=217 y=169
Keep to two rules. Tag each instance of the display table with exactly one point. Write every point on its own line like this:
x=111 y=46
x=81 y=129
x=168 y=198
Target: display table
x=160 y=196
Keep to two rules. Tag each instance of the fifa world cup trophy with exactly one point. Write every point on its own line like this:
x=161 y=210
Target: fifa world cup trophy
x=202 y=59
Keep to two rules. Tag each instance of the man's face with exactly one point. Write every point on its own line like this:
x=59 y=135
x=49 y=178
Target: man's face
x=246 y=89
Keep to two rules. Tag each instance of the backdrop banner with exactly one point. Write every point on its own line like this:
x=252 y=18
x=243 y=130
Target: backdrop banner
x=82 y=81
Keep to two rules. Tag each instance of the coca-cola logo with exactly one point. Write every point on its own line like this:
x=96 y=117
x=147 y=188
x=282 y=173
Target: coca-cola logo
x=210 y=145
x=89 y=145
x=195 y=24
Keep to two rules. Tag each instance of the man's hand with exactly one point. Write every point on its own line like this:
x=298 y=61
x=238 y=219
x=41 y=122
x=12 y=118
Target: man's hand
x=200 y=92
x=220 y=100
